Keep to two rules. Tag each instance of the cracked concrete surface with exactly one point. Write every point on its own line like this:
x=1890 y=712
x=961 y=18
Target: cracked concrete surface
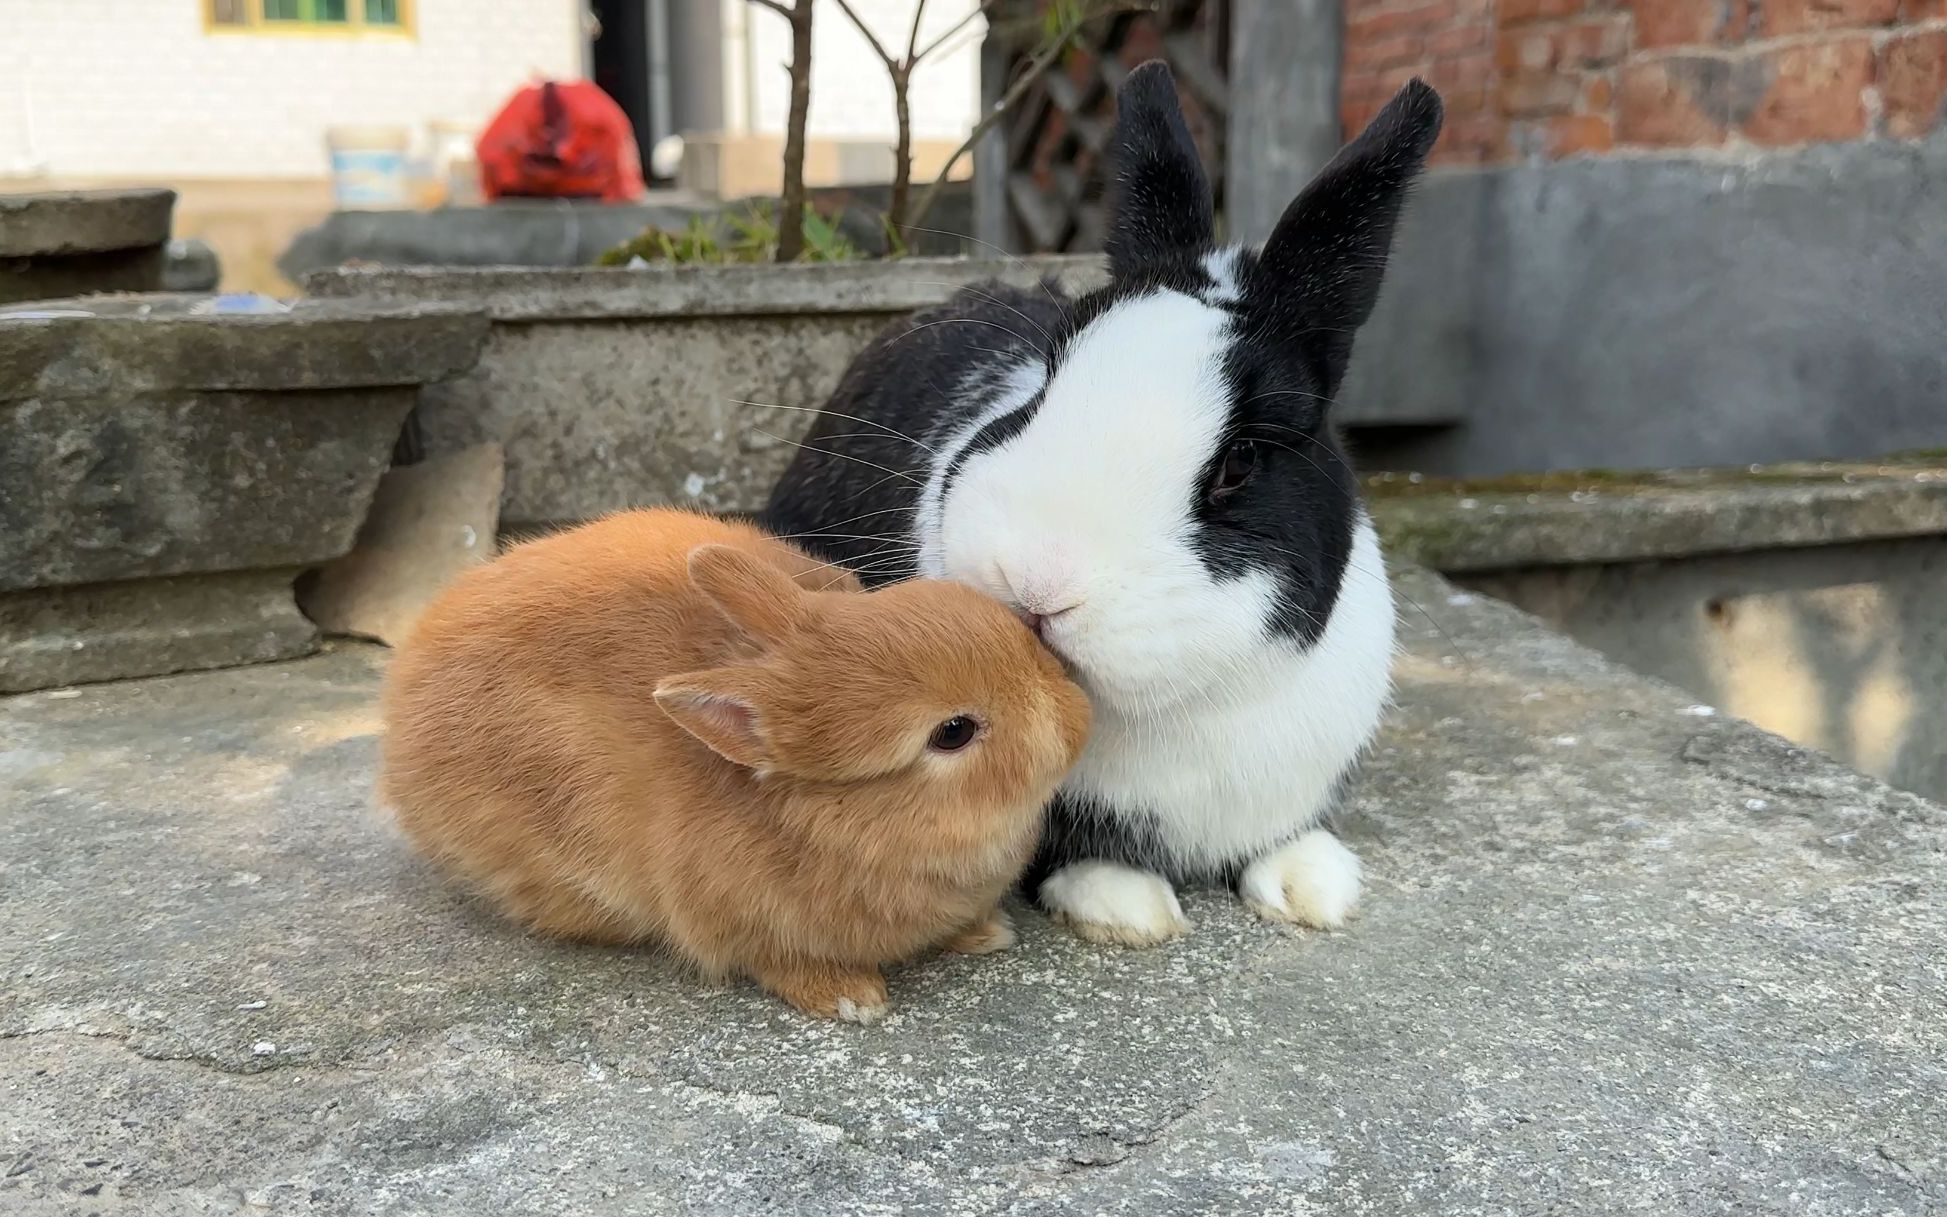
x=1618 y=955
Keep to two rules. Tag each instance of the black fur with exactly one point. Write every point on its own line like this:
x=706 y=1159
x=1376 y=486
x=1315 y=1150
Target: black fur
x=851 y=494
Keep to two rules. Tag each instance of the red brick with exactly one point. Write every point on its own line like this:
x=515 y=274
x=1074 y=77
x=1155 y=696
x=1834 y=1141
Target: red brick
x=1536 y=94
x=1469 y=37
x=1805 y=16
x=1466 y=99
x=1471 y=141
x=1658 y=104
x=1531 y=50
x=1514 y=12
x=1672 y=23
x=1384 y=52
x=1592 y=44
x=1817 y=93
x=1924 y=10
x=1579 y=133
x=1469 y=71
x=1597 y=94
x=1417 y=20
x=1913 y=82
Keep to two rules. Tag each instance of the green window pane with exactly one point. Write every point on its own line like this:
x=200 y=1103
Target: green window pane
x=284 y=10
x=331 y=12
x=382 y=12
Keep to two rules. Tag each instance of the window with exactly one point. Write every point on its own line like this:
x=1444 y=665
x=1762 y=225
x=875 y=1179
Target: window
x=310 y=16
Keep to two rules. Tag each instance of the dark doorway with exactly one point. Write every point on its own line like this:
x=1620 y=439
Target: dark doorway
x=621 y=59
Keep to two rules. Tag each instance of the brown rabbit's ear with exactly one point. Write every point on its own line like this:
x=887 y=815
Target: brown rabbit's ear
x=716 y=706
x=758 y=598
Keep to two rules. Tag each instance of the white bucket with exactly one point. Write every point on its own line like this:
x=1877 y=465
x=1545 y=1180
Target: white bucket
x=368 y=167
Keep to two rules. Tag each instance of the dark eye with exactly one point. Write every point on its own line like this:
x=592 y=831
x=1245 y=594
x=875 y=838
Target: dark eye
x=953 y=734
x=1240 y=460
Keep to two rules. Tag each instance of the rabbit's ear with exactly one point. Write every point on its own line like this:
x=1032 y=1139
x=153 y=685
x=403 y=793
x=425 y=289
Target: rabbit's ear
x=1324 y=262
x=722 y=707
x=1159 y=200
x=757 y=597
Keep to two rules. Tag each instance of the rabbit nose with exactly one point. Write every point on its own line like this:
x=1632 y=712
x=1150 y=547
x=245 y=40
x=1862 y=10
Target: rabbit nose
x=1034 y=600
x=1038 y=622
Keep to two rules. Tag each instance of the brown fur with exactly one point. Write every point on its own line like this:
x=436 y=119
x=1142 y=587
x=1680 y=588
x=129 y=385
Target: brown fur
x=560 y=728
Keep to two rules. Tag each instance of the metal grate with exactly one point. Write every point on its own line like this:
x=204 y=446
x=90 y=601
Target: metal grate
x=1051 y=155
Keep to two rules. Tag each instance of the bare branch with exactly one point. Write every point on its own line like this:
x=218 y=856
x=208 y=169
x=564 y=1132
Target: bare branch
x=777 y=8
x=957 y=26
x=912 y=38
x=892 y=65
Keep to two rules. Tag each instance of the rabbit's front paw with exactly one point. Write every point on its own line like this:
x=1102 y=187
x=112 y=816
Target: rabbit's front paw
x=848 y=994
x=994 y=932
x=1114 y=904
x=1312 y=881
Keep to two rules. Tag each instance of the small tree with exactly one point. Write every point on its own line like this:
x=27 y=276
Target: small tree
x=1061 y=21
x=791 y=203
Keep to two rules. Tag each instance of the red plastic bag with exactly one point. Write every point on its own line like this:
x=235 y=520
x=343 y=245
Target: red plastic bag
x=560 y=140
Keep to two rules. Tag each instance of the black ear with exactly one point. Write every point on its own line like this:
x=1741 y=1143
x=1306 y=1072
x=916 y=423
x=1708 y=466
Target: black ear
x=1324 y=262
x=1159 y=201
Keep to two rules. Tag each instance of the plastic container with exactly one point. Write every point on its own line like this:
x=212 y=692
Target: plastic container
x=368 y=167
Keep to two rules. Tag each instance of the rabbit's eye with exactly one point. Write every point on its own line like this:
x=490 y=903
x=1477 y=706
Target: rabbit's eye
x=954 y=734
x=1240 y=461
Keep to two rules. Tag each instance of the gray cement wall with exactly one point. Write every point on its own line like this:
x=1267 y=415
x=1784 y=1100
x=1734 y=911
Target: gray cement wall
x=611 y=388
x=1634 y=312
x=1840 y=648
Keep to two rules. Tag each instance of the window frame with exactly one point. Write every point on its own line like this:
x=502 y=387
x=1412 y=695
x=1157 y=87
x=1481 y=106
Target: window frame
x=354 y=25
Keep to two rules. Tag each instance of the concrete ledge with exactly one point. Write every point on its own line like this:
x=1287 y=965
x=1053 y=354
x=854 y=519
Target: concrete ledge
x=147 y=343
x=83 y=222
x=1578 y=518
x=109 y=631
x=512 y=293
x=1611 y=942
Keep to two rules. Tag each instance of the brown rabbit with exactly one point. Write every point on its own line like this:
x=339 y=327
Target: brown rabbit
x=666 y=727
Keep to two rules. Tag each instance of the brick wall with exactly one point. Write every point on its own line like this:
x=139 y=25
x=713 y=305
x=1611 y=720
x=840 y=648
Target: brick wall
x=1557 y=78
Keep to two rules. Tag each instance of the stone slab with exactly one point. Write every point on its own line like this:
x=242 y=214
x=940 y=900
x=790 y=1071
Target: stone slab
x=1577 y=518
x=1617 y=954
x=428 y=523
x=111 y=631
x=60 y=223
x=107 y=346
x=140 y=485
x=515 y=293
x=122 y=270
x=558 y=232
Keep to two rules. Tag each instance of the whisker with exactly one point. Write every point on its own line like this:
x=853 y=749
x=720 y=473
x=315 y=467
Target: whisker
x=844 y=456
x=771 y=405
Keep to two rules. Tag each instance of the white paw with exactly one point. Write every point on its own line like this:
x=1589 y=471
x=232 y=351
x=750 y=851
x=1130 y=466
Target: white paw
x=1312 y=881
x=850 y=1011
x=1110 y=903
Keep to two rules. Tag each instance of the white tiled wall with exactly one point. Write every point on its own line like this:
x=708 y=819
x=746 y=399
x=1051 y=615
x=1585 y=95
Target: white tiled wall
x=851 y=97
x=139 y=89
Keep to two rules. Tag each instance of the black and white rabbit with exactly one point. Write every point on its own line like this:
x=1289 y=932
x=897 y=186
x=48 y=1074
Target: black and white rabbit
x=1149 y=475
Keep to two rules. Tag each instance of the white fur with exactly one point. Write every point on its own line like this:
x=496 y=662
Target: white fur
x=1112 y=902
x=1221 y=265
x=850 y=1011
x=1230 y=740
x=1312 y=881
